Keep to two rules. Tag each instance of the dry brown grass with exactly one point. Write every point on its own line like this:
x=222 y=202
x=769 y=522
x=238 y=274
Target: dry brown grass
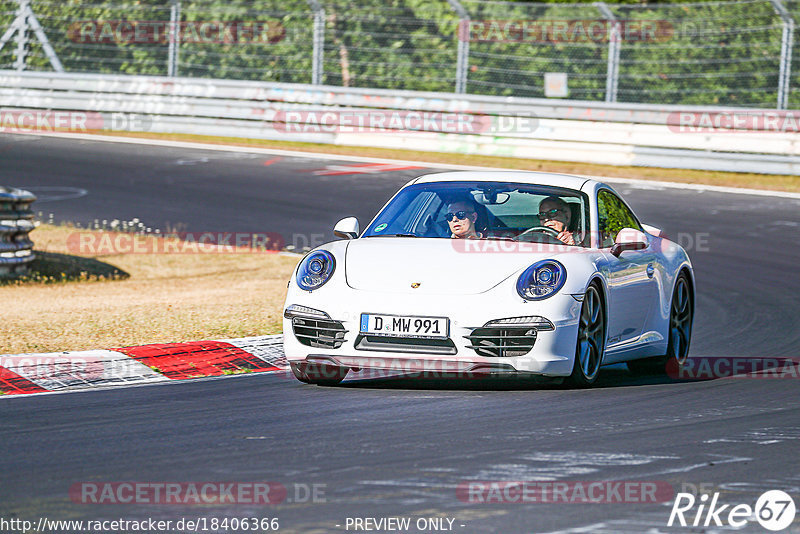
x=728 y=179
x=167 y=298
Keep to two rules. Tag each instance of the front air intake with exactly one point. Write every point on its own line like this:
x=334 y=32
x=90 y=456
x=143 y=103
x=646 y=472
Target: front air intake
x=506 y=342
x=319 y=333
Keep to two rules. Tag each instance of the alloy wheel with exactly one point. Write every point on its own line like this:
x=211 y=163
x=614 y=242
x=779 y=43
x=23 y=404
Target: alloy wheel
x=591 y=339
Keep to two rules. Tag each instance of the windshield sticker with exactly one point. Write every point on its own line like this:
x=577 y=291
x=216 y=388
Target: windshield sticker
x=381 y=227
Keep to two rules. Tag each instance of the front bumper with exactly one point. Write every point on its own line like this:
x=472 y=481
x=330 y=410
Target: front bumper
x=552 y=353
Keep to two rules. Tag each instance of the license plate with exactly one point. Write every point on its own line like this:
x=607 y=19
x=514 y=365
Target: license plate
x=405 y=326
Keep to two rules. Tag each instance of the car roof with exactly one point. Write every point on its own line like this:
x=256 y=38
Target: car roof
x=524 y=177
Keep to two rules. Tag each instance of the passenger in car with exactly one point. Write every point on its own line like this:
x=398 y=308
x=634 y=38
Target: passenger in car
x=555 y=213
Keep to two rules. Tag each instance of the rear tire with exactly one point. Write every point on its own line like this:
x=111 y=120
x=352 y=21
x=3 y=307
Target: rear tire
x=591 y=340
x=318 y=373
x=681 y=317
x=679 y=335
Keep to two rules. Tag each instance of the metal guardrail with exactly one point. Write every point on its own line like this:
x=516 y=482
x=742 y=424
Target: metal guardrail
x=184 y=92
x=741 y=52
x=16 y=221
x=566 y=130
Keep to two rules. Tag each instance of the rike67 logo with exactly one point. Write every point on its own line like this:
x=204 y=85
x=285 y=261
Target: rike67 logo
x=774 y=510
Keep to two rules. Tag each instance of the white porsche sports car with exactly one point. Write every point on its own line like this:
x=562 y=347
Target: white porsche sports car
x=489 y=273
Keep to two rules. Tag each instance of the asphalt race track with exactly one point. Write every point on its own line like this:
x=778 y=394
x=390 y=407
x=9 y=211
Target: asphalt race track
x=402 y=447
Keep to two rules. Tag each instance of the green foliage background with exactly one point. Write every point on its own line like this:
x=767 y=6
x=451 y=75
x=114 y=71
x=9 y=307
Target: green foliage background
x=724 y=53
x=613 y=216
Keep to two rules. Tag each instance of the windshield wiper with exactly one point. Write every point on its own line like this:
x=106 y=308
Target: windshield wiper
x=394 y=235
x=499 y=237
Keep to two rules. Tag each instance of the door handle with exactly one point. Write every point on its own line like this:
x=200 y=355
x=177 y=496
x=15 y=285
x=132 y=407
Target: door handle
x=650 y=270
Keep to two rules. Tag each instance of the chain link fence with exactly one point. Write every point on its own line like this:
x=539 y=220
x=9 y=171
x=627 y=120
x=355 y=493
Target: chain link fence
x=741 y=53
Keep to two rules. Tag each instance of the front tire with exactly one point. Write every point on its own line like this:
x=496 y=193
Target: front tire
x=591 y=340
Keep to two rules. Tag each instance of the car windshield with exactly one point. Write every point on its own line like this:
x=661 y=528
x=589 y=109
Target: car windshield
x=486 y=210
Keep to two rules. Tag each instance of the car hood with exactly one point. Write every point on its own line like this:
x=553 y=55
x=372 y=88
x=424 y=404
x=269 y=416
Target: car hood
x=439 y=266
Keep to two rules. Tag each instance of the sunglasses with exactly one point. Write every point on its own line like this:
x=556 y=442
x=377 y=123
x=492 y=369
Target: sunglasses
x=550 y=214
x=458 y=215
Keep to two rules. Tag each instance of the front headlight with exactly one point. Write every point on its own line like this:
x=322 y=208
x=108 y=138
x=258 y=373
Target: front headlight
x=315 y=270
x=541 y=280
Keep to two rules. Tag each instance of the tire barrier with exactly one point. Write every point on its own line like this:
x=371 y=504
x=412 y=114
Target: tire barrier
x=16 y=222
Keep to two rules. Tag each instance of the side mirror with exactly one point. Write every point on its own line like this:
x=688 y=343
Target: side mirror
x=652 y=230
x=347 y=228
x=628 y=239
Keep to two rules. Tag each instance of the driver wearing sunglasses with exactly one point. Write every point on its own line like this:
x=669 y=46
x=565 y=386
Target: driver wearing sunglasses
x=461 y=217
x=555 y=213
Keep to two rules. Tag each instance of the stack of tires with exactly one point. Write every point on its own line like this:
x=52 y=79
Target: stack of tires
x=16 y=222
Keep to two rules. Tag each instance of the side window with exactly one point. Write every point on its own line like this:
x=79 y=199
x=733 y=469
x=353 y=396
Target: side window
x=613 y=216
x=423 y=223
x=413 y=213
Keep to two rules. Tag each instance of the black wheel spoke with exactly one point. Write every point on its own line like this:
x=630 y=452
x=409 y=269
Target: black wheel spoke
x=686 y=331
x=594 y=329
x=595 y=313
x=674 y=341
x=589 y=366
x=586 y=353
x=585 y=357
x=684 y=343
x=591 y=360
